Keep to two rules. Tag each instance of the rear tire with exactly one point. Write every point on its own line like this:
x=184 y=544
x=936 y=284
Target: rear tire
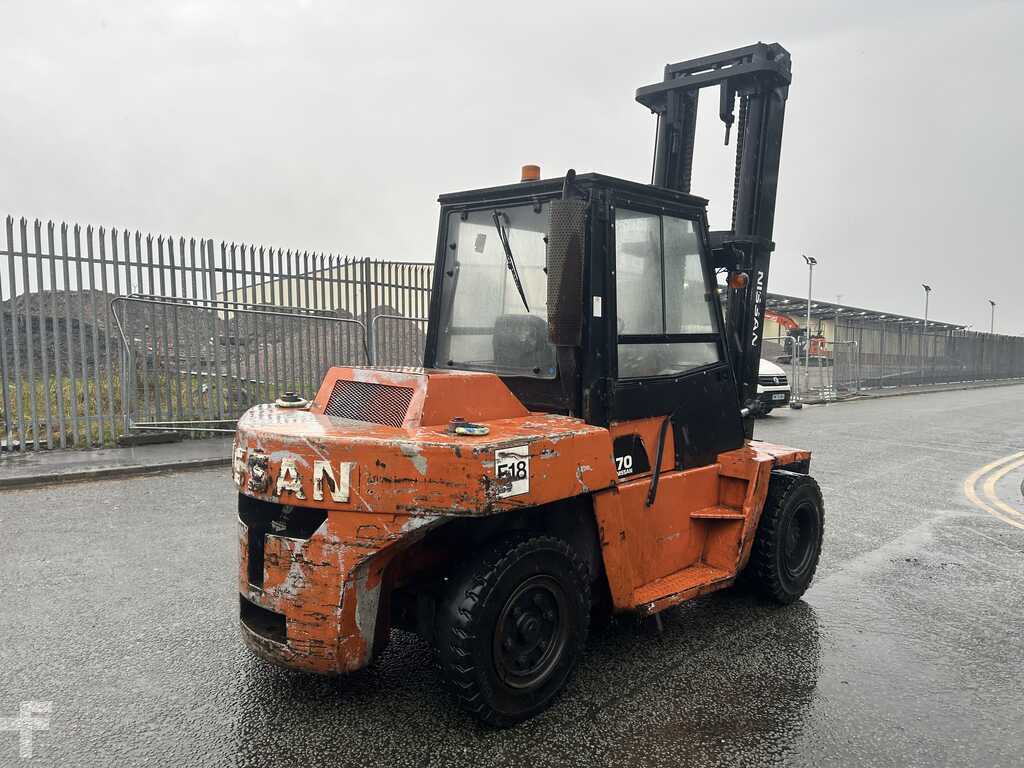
x=512 y=627
x=766 y=411
x=787 y=544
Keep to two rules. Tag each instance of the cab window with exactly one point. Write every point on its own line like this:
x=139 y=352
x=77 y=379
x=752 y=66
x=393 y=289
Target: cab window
x=662 y=296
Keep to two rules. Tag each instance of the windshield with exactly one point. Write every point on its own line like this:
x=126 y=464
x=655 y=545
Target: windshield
x=485 y=324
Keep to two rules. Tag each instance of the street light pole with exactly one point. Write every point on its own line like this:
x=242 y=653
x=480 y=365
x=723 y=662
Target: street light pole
x=924 y=335
x=992 y=323
x=811 y=261
x=835 y=324
x=927 y=293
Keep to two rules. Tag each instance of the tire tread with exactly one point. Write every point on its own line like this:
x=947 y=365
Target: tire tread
x=452 y=651
x=762 y=572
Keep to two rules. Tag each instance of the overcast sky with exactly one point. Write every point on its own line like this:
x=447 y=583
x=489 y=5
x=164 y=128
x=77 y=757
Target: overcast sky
x=334 y=126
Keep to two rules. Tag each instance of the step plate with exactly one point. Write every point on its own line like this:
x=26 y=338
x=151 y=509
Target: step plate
x=717 y=513
x=679 y=586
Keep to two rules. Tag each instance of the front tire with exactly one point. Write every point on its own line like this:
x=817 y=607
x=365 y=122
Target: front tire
x=512 y=627
x=787 y=544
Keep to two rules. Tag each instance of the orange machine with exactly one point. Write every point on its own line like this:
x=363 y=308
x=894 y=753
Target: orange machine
x=578 y=441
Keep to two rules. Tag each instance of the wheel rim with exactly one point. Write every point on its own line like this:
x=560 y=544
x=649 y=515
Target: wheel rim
x=798 y=541
x=531 y=632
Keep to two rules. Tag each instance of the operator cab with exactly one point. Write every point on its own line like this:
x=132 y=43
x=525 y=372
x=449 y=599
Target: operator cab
x=591 y=296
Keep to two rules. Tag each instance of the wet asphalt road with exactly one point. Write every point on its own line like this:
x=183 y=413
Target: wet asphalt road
x=119 y=606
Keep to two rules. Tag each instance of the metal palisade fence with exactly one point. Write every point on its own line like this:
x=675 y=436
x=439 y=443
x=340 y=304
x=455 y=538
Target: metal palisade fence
x=104 y=332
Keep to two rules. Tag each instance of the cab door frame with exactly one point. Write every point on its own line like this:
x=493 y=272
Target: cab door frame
x=702 y=403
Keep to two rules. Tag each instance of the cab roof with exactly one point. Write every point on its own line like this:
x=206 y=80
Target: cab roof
x=546 y=187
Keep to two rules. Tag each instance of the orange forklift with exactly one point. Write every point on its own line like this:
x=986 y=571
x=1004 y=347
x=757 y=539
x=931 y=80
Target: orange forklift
x=578 y=442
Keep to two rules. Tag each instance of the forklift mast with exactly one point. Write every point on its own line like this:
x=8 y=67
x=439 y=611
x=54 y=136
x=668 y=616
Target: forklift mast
x=759 y=76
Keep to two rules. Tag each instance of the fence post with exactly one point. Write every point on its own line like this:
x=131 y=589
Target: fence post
x=371 y=342
x=72 y=398
x=3 y=363
x=881 y=356
x=55 y=335
x=215 y=390
x=26 y=297
x=44 y=352
x=127 y=368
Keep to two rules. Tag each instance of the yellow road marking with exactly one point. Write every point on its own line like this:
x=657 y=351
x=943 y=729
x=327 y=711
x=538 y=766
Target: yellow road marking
x=1012 y=462
x=989 y=488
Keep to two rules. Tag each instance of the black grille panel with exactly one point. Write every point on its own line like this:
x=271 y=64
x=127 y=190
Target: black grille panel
x=368 y=401
x=772 y=381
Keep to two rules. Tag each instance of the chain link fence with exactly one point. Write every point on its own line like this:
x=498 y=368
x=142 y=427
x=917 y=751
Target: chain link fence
x=887 y=355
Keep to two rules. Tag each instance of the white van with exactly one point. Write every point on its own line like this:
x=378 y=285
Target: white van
x=772 y=386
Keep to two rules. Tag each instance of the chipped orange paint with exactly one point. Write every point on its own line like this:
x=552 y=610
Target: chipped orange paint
x=697 y=535
x=327 y=587
x=332 y=588
x=400 y=480
x=392 y=464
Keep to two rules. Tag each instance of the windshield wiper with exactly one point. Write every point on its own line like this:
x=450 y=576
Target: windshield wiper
x=510 y=261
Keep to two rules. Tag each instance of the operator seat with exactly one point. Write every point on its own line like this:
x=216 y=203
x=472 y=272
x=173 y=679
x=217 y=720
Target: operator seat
x=521 y=344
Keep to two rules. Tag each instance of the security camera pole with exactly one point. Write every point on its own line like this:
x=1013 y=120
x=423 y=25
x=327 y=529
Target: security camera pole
x=992 y=323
